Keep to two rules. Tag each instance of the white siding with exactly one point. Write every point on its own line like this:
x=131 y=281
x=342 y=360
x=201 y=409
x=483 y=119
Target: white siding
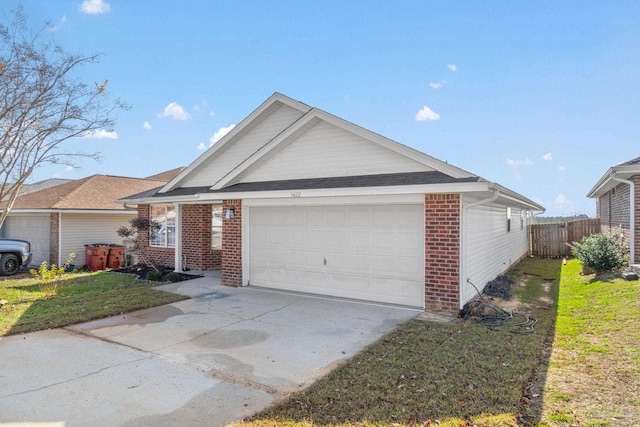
x=222 y=163
x=327 y=151
x=34 y=228
x=85 y=229
x=488 y=249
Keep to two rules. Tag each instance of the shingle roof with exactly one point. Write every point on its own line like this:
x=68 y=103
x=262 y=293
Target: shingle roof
x=635 y=161
x=380 y=180
x=96 y=192
x=167 y=175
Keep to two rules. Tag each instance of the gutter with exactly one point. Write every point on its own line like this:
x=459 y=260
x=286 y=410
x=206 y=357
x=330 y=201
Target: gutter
x=632 y=220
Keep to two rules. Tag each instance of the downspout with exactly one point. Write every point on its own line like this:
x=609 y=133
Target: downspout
x=465 y=234
x=632 y=219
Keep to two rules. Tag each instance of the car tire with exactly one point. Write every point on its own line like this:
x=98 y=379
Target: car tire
x=9 y=265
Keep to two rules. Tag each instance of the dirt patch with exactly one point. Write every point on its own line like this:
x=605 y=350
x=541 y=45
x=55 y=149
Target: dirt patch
x=162 y=274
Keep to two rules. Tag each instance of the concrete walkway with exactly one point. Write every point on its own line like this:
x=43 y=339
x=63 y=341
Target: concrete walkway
x=216 y=358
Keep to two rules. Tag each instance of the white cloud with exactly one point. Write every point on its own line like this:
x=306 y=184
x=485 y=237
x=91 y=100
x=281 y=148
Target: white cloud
x=59 y=25
x=212 y=113
x=147 y=126
x=562 y=168
x=174 y=111
x=453 y=67
x=515 y=166
x=69 y=168
x=563 y=205
x=100 y=134
x=94 y=7
x=436 y=85
x=221 y=133
x=201 y=146
x=427 y=114
x=547 y=157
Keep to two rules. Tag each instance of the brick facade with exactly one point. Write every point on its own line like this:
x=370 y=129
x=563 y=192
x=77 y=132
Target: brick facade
x=442 y=252
x=196 y=241
x=232 y=244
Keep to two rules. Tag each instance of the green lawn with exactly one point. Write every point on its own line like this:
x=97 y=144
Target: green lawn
x=79 y=298
x=462 y=374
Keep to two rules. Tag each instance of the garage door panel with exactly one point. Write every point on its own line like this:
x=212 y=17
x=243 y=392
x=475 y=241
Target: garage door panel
x=33 y=228
x=364 y=251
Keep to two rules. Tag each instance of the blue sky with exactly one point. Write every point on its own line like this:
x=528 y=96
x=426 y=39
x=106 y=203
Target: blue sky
x=541 y=96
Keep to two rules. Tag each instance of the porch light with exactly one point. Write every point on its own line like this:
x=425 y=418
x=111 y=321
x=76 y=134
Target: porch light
x=231 y=213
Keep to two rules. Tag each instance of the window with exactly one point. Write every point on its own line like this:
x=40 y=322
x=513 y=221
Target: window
x=521 y=220
x=508 y=220
x=216 y=227
x=165 y=235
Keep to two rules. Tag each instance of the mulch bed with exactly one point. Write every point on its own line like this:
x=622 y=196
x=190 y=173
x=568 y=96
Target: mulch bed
x=164 y=274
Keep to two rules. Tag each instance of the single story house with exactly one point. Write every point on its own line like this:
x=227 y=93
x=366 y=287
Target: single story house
x=61 y=219
x=617 y=195
x=297 y=199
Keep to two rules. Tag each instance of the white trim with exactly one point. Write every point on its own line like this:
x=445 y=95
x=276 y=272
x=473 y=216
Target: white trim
x=352 y=192
x=324 y=201
x=59 y=239
x=177 y=253
x=73 y=211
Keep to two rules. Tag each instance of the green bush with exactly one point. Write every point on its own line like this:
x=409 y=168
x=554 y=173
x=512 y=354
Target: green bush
x=602 y=252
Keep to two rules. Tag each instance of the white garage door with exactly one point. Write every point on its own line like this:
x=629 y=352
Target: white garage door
x=373 y=253
x=32 y=228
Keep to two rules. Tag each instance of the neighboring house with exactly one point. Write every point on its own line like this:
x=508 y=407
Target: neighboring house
x=62 y=219
x=295 y=198
x=617 y=196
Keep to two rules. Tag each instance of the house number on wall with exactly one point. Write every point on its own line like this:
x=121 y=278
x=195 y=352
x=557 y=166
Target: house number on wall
x=295 y=194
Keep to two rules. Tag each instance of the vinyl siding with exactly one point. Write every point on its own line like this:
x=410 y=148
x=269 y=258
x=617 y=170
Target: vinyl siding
x=328 y=151
x=227 y=160
x=488 y=249
x=85 y=229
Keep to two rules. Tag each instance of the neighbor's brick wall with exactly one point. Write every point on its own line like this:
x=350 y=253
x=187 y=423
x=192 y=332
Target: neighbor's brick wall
x=636 y=214
x=54 y=230
x=613 y=211
x=442 y=251
x=232 y=244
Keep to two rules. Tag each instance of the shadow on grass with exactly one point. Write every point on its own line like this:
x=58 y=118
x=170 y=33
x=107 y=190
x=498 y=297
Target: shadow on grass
x=77 y=300
x=424 y=372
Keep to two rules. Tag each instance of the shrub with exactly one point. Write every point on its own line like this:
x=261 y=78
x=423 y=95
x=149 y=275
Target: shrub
x=51 y=276
x=602 y=252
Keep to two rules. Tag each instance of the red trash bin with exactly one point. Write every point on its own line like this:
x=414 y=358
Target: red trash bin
x=96 y=256
x=115 y=257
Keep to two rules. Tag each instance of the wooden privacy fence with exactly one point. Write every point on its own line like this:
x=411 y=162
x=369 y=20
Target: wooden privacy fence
x=550 y=240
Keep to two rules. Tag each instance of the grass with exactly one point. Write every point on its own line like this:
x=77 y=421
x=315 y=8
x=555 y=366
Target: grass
x=80 y=297
x=581 y=366
x=456 y=373
x=594 y=370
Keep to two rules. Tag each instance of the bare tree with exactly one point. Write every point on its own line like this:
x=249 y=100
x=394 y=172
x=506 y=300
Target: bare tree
x=42 y=105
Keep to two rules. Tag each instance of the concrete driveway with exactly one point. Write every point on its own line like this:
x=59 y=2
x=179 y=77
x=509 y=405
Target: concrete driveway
x=216 y=358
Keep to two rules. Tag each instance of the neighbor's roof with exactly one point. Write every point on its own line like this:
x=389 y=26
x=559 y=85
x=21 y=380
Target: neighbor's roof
x=96 y=192
x=166 y=176
x=608 y=181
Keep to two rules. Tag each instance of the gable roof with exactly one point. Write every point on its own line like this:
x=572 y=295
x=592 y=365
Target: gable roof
x=96 y=192
x=610 y=178
x=279 y=125
x=309 y=117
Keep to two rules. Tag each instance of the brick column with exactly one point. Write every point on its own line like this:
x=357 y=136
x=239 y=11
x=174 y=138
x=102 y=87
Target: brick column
x=442 y=252
x=54 y=249
x=232 y=244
